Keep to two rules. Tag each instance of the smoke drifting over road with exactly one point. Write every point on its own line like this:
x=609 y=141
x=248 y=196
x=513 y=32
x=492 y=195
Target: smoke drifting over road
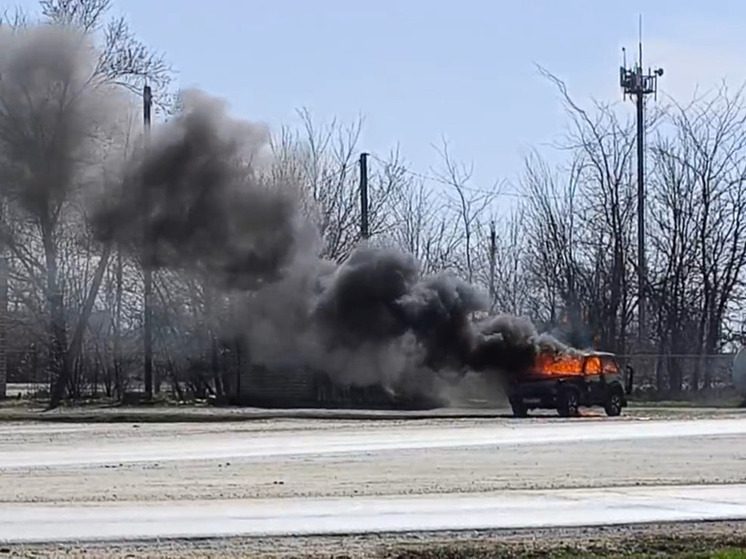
x=198 y=198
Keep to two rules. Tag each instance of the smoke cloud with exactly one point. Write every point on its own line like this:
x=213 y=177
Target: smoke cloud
x=194 y=200
x=370 y=320
x=510 y=344
x=52 y=116
x=197 y=199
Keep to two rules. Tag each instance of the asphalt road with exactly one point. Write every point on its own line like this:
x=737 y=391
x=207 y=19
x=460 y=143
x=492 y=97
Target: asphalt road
x=85 y=482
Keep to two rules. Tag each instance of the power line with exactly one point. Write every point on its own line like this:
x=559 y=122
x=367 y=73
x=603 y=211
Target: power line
x=440 y=180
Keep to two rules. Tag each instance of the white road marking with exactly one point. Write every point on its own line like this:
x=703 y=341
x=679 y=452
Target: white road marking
x=60 y=452
x=507 y=509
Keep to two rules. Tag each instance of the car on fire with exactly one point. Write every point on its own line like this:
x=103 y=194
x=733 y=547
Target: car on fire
x=566 y=381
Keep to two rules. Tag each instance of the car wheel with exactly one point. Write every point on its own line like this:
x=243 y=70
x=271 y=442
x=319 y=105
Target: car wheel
x=568 y=402
x=519 y=408
x=613 y=405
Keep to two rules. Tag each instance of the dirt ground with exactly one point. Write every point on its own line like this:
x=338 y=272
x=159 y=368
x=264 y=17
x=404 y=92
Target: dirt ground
x=690 y=540
x=691 y=460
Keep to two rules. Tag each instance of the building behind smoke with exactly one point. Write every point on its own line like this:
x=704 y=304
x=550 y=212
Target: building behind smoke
x=291 y=387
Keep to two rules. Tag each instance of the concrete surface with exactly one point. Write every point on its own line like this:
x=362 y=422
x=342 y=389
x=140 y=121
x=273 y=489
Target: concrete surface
x=577 y=507
x=215 y=446
x=302 y=476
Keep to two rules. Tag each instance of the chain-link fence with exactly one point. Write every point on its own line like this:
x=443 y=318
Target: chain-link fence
x=656 y=377
x=28 y=374
x=682 y=376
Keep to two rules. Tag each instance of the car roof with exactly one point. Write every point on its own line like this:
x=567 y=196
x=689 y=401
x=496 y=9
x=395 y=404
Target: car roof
x=598 y=354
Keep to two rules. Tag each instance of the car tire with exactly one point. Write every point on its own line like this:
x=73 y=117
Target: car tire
x=519 y=408
x=568 y=402
x=613 y=404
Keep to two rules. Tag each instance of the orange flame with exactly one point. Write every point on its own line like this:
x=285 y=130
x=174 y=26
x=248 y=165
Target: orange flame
x=564 y=364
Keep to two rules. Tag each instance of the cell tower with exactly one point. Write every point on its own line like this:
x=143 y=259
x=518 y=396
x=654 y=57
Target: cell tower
x=637 y=84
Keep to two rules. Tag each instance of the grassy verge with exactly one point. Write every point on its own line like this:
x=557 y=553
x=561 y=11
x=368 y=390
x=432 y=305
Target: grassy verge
x=733 y=402
x=566 y=552
x=706 y=540
x=698 y=540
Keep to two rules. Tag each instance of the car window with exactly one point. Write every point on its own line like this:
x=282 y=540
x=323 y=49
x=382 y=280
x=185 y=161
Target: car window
x=610 y=366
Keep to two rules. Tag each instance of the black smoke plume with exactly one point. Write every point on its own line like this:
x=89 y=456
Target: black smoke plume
x=197 y=197
x=362 y=300
x=510 y=344
x=197 y=200
x=438 y=310
x=194 y=201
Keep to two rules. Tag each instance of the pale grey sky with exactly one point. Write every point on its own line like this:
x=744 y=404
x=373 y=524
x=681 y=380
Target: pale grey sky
x=418 y=70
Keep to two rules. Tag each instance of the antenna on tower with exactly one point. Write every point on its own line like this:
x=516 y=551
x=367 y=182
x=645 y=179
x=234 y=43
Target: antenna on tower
x=622 y=71
x=639 y=37
x=637 y=84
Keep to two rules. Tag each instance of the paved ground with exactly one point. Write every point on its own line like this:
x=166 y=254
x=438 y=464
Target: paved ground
x=363 y=515
x=298 y=475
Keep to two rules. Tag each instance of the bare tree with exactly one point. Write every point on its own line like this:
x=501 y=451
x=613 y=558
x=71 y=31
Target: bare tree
x=553 y=240
x=603 y=148
x=469 y=204
x=705 y=163
x=512 y=289
x=321 y=161
x=122 y=59
x=673 y=263
x=47 y=133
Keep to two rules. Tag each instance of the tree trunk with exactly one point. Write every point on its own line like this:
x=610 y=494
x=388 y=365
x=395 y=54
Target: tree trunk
x=71 y=353
x=215 y=365
x=85 y=313
x=118 y=387
x=59 y=365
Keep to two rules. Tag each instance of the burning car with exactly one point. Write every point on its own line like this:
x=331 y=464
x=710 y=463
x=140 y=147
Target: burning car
x=566 y=381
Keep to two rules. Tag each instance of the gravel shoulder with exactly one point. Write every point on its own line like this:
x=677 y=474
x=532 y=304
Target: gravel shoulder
x=690 y=540
x=568 y=464
x=619 y=463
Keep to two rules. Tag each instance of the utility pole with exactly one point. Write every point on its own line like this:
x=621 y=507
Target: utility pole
x=147 y=98
x=4 y=272
x=364 y=233
x=493 y=250
x=636 y=83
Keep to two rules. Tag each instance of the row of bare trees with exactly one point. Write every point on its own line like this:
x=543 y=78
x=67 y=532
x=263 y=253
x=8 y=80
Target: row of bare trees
x=563 y=255
x=579 y=248
x=50 y=129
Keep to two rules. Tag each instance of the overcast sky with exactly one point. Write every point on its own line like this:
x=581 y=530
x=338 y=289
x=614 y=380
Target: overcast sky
x=418 y=70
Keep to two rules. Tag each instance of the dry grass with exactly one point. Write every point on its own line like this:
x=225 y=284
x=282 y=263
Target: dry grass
x=707 y=540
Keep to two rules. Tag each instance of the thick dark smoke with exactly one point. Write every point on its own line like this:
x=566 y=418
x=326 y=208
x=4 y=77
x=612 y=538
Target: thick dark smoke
x=197 y=198
x=378 y=294
x=376 y=307
x=510 y=344
x=370 y=320
x=195 y=202
x=438 y=310
x=362 y=299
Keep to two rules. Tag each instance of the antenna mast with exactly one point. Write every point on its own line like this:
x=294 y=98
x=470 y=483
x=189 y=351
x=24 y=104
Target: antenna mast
x=637 y=83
